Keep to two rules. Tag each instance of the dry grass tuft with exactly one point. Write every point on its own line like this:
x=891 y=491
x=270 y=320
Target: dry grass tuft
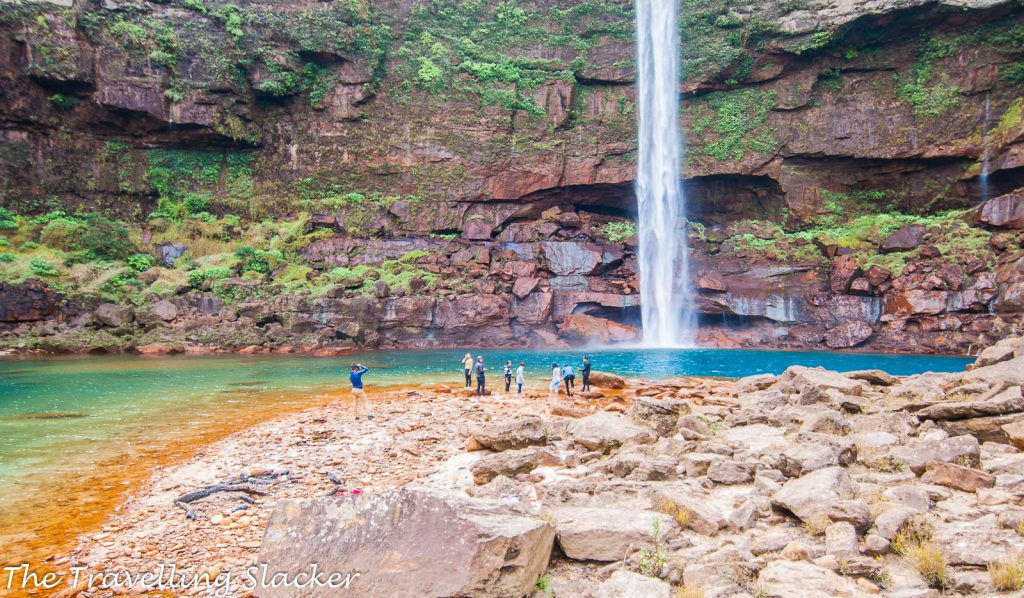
x=685 y=592
x=914 y=543
x=682 y=515
x=1008 y=575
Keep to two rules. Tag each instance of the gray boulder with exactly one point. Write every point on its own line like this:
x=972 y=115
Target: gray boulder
x=1010 y=372
x=660 y=415
x=113 y=315
x=1010 y=400
x=856 y=513
x=725 y=471
x=517 y=434
x=608 y=533
x=506 y=463
x=916 y=455
x=164 y=310
x=812 y=496
x=409 y=542
x=705 y=516
x=805 y=458
x=786 y=579
x=604 y=431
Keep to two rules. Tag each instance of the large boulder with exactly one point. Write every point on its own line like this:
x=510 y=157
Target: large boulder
x=844 y=270
x=606 y=380
x=727 y=471
x=905 y=239
x=802 y=459
x=956 y=476
x=1006 y=211
x=660 y=415
x=113 y=315
x=703 y=515
x=605 y=431
x=507 y=463
x=1010 y=372
x=786 y=579
x=812 y=496
x=806 y=380
x=1010 y=400
x=608 y=534
x=848 y=334
x=1015 y=433
x=917 y=454
x=164 y=310
x=566 y=258
x=516 y=434
x=409 y=542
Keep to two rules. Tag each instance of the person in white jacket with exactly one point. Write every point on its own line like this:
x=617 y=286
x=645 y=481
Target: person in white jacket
x=556 y=379
x=520 y=377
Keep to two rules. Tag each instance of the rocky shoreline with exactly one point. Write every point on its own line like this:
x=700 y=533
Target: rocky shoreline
x=810 y=483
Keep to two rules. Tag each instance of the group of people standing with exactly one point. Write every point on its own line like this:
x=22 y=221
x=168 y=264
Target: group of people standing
x=559 y=375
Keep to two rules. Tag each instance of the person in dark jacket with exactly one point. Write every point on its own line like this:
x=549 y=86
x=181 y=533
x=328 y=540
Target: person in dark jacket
x=508 y=375
x=480 y=370
x=585 y=371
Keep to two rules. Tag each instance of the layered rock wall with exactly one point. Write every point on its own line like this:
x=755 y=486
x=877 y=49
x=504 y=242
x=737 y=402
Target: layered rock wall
x=500 y=139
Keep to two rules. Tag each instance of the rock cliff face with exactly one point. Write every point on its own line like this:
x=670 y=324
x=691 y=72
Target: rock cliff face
x=497 y=141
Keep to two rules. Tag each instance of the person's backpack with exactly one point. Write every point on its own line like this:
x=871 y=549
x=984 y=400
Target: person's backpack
x=479 y=369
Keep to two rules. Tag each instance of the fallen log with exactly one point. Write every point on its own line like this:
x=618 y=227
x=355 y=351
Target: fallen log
x=184 y=500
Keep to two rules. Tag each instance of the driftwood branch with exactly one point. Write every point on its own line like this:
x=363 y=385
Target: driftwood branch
x=184 y=500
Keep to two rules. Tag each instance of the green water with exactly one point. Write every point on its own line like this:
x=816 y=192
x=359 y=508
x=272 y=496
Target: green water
x=64 y=415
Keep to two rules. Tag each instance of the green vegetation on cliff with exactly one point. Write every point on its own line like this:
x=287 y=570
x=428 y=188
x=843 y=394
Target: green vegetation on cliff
x=499 y=53
x=729 y=124
x=859 y=232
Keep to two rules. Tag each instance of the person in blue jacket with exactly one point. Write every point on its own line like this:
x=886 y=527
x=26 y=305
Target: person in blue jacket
x=358 y=394
x=569 y=377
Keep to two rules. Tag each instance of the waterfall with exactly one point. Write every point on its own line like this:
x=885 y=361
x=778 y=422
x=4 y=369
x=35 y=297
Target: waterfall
x=983 y=178
x=666 y=297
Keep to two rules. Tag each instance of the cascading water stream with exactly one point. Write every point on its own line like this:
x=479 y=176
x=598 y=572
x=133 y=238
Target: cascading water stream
x=666 y=297
x=986 y=126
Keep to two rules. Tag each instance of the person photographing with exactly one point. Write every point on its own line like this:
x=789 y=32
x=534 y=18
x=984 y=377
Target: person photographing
x=355 y=376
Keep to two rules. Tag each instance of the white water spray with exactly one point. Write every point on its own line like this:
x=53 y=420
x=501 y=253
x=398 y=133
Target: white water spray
x=666 y=297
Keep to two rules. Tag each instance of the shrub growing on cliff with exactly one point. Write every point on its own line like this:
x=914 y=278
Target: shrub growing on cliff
x=619 y=230
x=141 y=262
x=62 y=233
x=197 y=278
x=41 y=267
x=8 y=221
x=105 y=239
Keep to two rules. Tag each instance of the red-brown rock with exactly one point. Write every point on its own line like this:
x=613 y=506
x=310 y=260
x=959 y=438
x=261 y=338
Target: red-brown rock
x=905 y=239
x=1006 y=211
x=957 y=476
x=582 y=327
x=711 y=281
x=844 y=270
x=849 y=334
